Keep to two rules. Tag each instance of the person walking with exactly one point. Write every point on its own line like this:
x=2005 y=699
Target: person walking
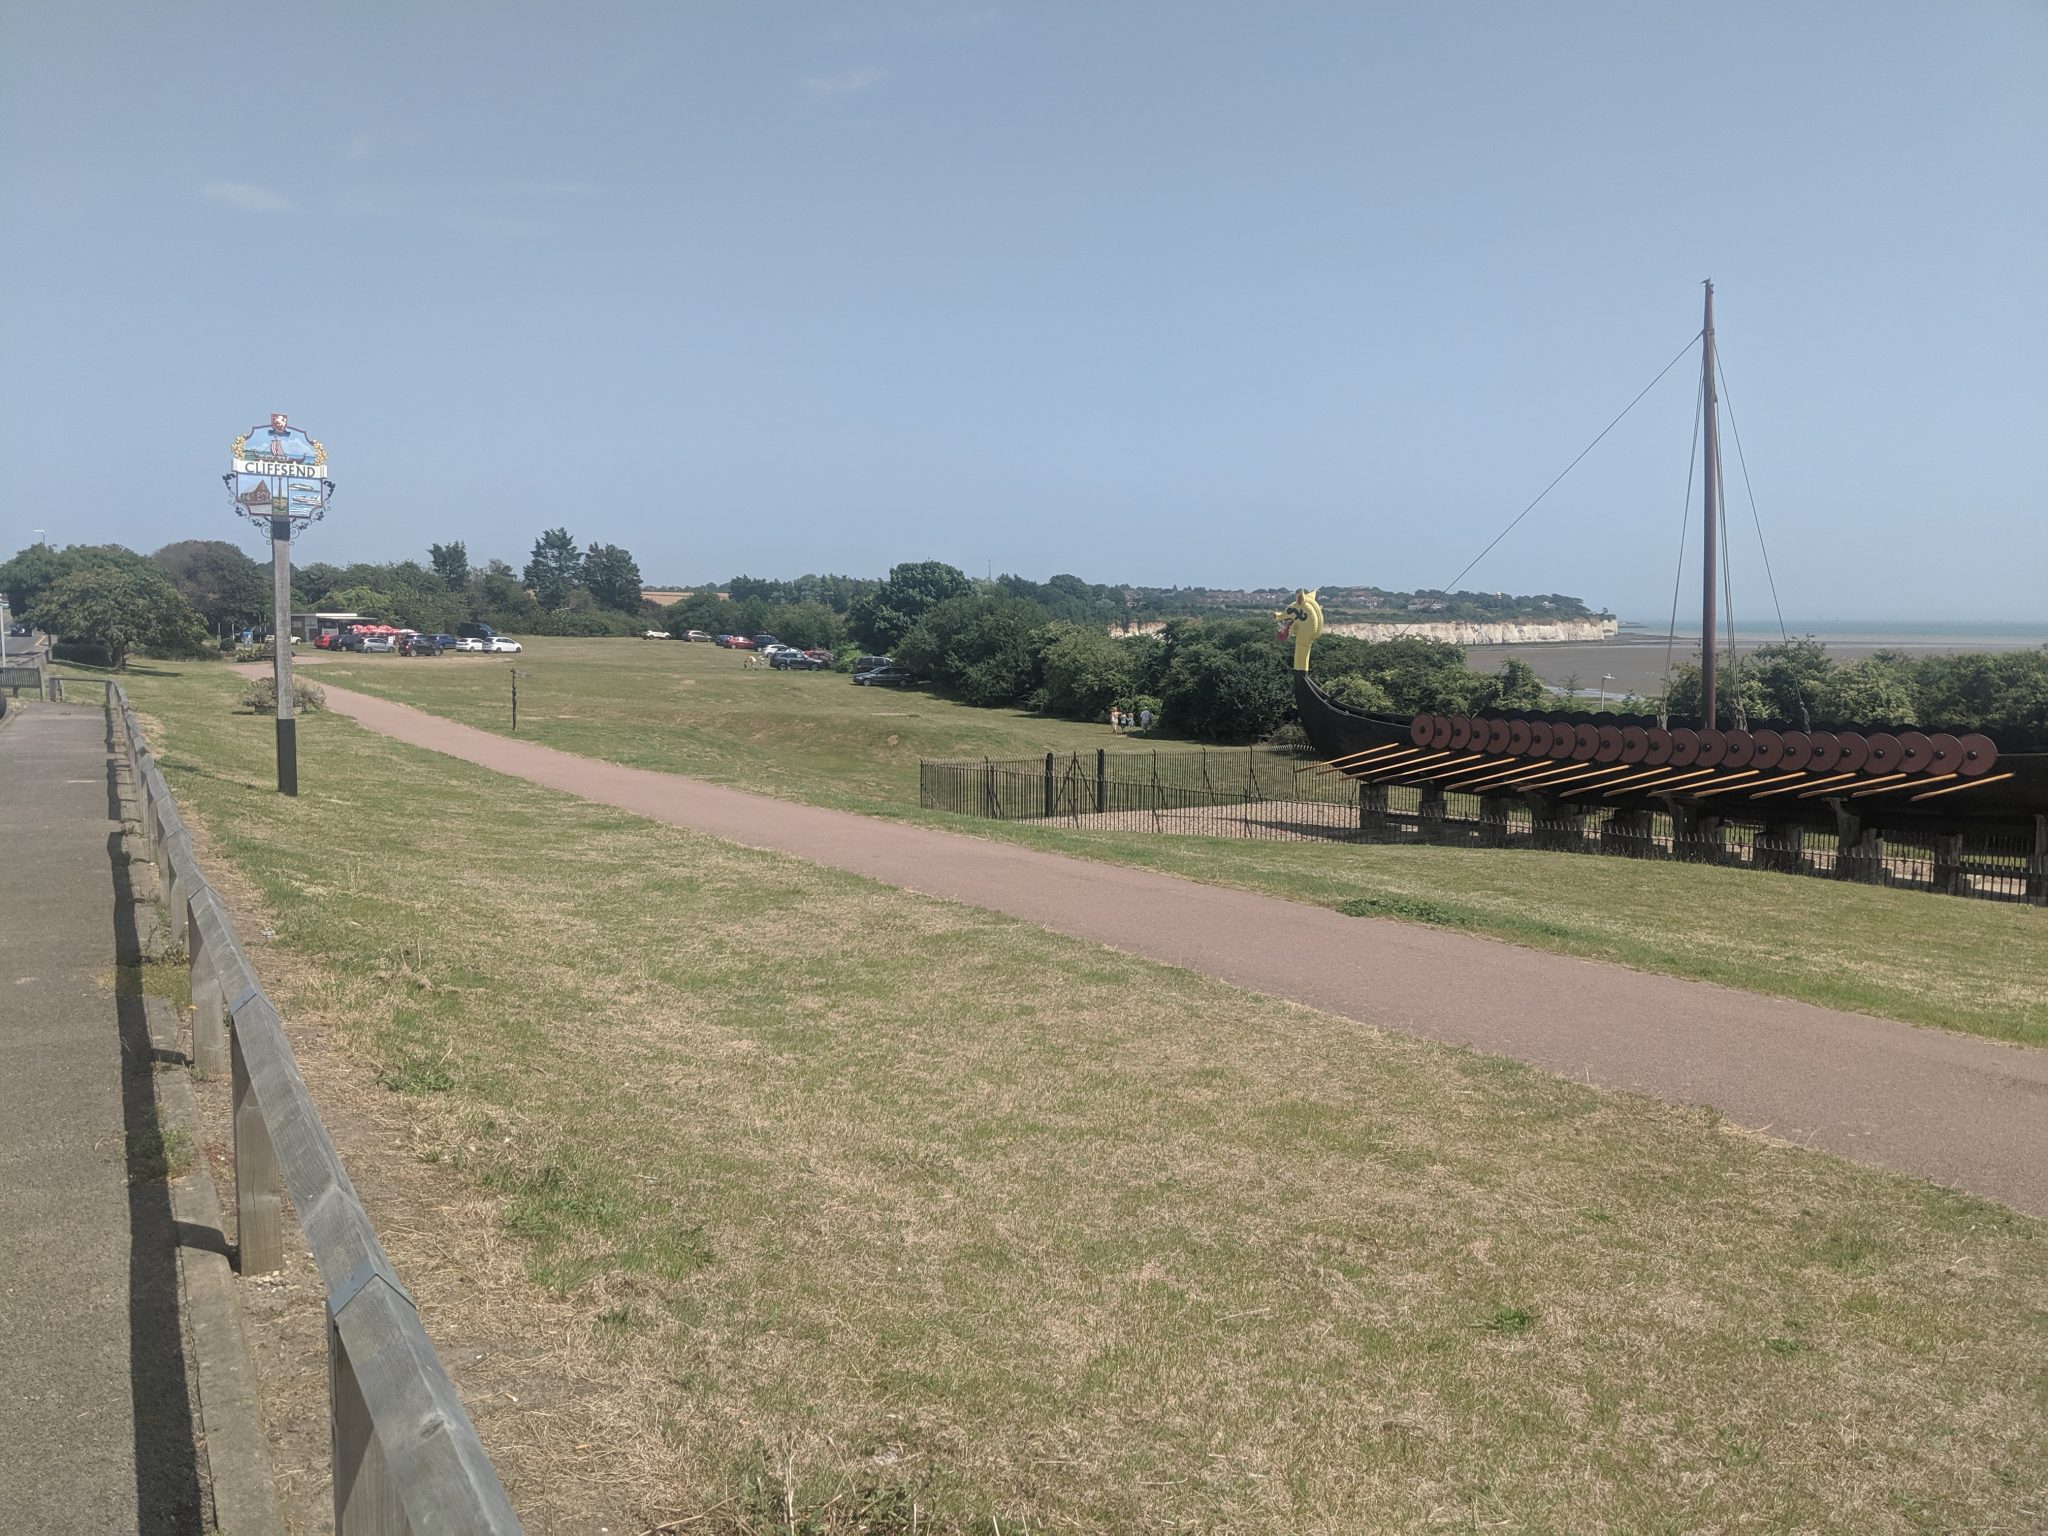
x=1145 y=719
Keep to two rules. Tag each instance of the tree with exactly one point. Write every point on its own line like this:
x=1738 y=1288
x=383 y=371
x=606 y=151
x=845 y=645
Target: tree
x=1792 y=675
x=881 y=618
x=451 y=564
x=1226 y=695
x=230 y=590
x=1360 y=693
x=1083 y=670
x=977 y=646
x=119 y=608
x=612 y=577
x=1865 y=692
x=34 y=570
x=555 y=570
x=1517 y=686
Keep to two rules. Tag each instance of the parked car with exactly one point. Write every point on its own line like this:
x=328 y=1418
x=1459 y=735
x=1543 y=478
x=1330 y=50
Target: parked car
x=502 y=646
x=790 y=659
x=823 y=658
x=774 y=648
x=324 y=641
x=696 y=634
x=891 y=676
x=762 y=642
x=739 y=643
x=441 y=642
x=379 y=643
x=418 y=645
x=869 y=663
x=469 y=643
x=350 y=643
x=476 y=631
x=19 y=632
x=654 y=634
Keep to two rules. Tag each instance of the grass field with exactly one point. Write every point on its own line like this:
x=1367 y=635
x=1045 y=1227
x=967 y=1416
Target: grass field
x=879 y=1213
x=1973 y=966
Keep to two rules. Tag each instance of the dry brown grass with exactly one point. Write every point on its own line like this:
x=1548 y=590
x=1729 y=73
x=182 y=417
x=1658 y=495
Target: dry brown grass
x=781 y=1200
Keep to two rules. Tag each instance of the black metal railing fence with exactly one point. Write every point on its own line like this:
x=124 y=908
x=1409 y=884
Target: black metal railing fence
x=1277 y=793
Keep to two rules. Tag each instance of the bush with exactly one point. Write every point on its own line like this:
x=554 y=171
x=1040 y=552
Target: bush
x=260 y=697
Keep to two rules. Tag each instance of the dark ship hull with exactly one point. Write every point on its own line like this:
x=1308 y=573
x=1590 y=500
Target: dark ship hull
x=1884 y=778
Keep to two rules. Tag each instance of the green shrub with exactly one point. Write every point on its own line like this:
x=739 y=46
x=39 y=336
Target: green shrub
x=260 y=697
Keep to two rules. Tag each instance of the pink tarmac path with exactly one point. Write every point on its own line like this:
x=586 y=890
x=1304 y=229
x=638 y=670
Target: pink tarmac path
x=1961 y=1111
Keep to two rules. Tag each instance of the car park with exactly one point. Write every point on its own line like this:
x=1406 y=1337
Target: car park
x=350 y=642
x=501 y=646
x=822 y=658
x=891 y=676
x=441 y=642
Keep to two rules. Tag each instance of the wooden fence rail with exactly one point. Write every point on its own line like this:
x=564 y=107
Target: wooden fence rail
x=406 y=1458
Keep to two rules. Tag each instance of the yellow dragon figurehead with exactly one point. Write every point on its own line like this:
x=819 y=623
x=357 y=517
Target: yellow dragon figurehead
x=1303 y=618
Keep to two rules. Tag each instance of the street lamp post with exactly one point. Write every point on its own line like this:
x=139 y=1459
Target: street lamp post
x=280 y=479
x=1605 y=679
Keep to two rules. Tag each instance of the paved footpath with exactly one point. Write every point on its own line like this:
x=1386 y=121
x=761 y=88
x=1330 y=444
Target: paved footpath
x=95 y=1426
x=1959 y=1110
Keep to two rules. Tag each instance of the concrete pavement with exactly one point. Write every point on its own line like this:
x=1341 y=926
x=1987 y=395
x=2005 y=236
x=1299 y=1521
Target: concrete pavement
x=95 y=1415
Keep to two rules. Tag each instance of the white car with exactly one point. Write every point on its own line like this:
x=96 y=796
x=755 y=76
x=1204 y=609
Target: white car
x=654 y=634
x=470 y=643
x=502 y=646
x=776 y=650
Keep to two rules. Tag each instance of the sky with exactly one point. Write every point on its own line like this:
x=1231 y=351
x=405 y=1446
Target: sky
x=1161 y=293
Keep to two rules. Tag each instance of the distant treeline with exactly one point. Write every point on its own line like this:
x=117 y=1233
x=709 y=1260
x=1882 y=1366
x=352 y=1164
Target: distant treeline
x=1797 y=680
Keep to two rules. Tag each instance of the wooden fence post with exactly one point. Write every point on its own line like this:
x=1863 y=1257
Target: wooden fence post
x=209 y=1033
x=259 y=1231
x=365 y=1498
x=1050 y=799
x=1101 y=776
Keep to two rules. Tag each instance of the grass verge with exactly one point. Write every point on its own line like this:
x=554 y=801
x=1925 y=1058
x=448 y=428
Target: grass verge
x=881 y=1212
x=1976 y=967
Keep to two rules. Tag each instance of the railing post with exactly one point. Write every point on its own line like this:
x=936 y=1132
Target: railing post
x=1050 y=798
x=1101 y=775
x=259 y=1232
x=209 y=1032
x=365 y=1500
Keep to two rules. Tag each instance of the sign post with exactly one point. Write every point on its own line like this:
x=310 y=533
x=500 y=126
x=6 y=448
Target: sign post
x=280 y=480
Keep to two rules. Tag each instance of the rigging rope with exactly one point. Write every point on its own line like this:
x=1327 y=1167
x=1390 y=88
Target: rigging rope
x=1783 y=634
x=1452 y=583
x=1699 y=411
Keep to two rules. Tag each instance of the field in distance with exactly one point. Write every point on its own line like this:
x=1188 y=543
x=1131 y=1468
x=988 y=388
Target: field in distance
x=811 y=1204
x=1973 y=966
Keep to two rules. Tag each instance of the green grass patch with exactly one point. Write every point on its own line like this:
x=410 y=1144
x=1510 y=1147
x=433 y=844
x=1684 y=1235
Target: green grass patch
x=1972 y=966
x=875 y=1203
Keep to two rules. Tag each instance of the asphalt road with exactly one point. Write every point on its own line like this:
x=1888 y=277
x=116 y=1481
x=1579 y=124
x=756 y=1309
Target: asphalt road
x=1962 y=1111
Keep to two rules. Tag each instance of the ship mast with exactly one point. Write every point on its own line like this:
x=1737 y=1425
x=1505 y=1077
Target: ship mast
x=1710 y=401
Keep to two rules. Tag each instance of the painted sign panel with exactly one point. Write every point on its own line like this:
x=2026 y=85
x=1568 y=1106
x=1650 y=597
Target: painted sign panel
x=278 y=449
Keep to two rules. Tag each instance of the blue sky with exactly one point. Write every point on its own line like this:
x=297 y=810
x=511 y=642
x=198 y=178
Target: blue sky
x=1164 y=293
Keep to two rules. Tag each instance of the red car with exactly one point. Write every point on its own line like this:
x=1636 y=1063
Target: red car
x=324 y=641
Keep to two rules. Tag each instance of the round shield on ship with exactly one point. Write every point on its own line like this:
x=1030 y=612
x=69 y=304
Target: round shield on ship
x=1713 y=747
x=1498 y=733
x=1979 y=753
x=1461 y=732
x=1609 y=750
x=1948 y=755
x=1419 y=729
x=1659 y=751
x=1439 y=731
x=1520 y=737
x=1884 y=754
x=1916 y=751
x=1741 y=747
x=1685 y=747
x=1635 y=744
x=1539 y=738
x=1767 y=749
x=1585 y=742
x=1797 y=751
x=1855 y=752
x=1827 y=751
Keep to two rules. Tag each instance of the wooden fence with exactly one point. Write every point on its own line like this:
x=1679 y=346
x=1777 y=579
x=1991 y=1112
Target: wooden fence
x=406 y=1458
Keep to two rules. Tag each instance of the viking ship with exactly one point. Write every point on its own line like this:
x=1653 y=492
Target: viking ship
x=1857 y=778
